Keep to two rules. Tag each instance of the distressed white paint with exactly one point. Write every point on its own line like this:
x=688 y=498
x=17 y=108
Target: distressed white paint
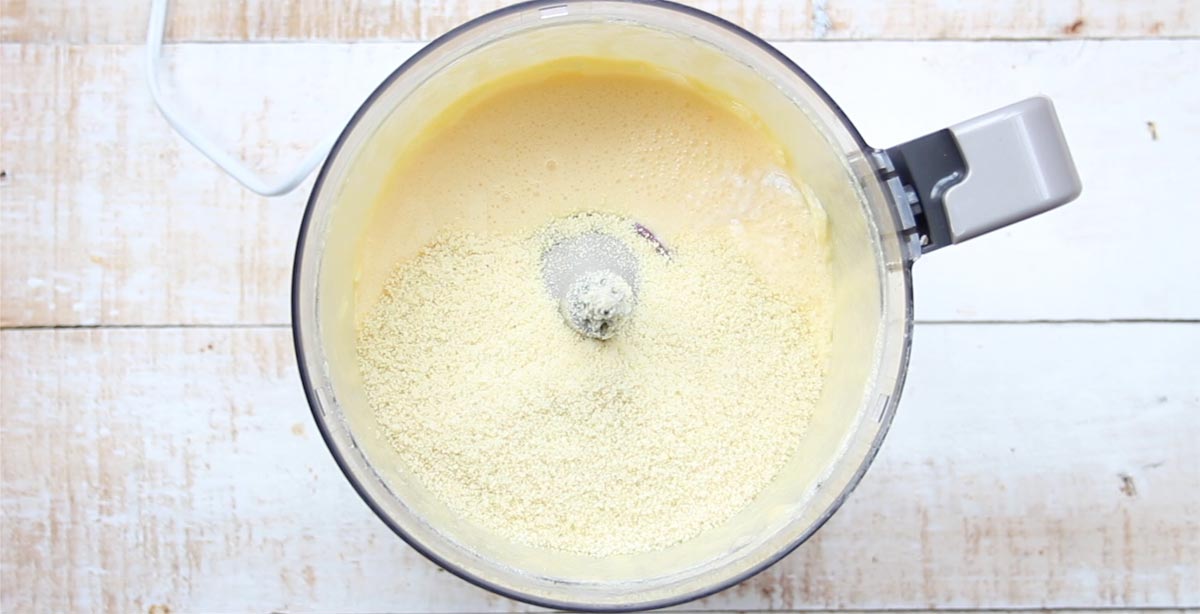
x=181 y=467
x=1030 y=465
x=102 y=199
x=1123 y=249
x=81 y=21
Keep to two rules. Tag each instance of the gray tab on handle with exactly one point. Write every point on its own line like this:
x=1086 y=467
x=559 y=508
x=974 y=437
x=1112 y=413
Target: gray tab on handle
x=1018 y=165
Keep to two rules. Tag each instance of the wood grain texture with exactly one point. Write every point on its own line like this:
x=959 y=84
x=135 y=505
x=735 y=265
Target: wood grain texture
x=110 y=218
x=180 y=467
x=1031 y=466
x=81 y=21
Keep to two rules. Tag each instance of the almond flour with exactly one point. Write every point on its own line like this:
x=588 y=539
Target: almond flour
x=552 y=439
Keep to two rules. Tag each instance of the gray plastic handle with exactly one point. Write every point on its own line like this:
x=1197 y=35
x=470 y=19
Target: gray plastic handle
x=1018 y=165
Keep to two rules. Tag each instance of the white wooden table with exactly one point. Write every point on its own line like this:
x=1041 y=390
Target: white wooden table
x=157 y=452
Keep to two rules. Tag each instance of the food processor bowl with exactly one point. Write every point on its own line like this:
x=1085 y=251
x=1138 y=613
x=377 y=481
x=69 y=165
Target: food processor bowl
x=884 y=208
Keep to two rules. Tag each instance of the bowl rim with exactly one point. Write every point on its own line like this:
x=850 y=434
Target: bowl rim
x=315 y=403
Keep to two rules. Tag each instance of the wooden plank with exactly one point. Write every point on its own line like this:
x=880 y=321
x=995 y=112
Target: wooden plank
x=110 y=218
x=180 y=468
x=1129 y=111
x=80 y=21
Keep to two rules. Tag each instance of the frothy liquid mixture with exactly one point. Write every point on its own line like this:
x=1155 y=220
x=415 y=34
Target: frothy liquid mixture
x=512 y=418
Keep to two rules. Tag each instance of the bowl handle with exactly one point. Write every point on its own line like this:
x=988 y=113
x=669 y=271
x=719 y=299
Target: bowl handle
x=982 y=174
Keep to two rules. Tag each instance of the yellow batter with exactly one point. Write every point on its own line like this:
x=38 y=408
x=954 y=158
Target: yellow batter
x=588 y=134
x=537 y=433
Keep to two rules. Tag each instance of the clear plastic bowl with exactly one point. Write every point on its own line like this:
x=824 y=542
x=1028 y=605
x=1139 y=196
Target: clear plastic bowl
x=871 y=328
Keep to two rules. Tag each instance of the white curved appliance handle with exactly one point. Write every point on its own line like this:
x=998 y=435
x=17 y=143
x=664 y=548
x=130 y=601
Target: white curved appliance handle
x=187 y=129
